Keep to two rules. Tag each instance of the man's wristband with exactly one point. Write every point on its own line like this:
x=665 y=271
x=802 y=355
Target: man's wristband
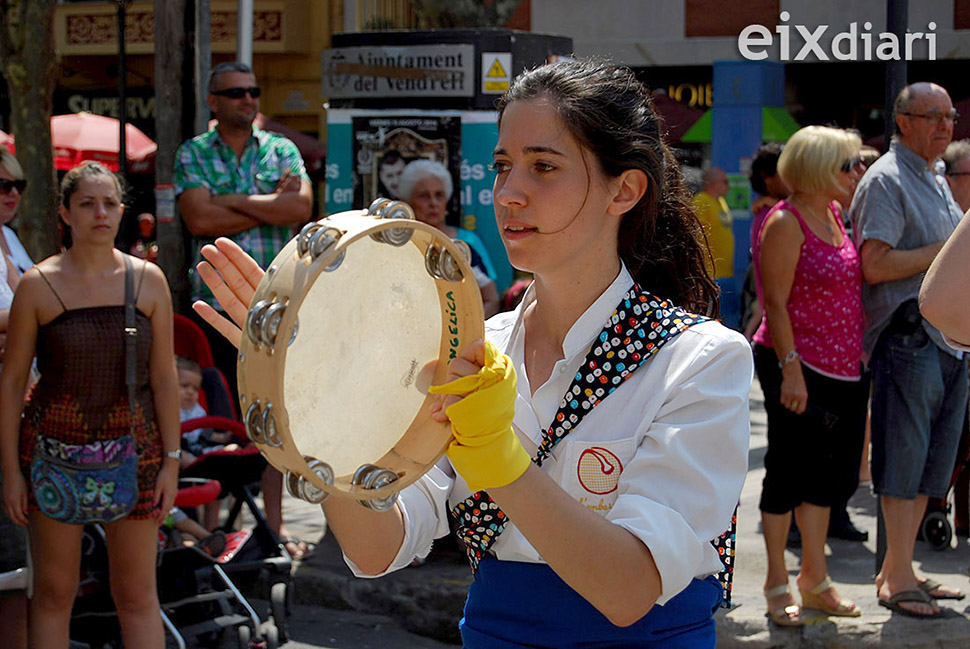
x=788 y=359
x=175 y=455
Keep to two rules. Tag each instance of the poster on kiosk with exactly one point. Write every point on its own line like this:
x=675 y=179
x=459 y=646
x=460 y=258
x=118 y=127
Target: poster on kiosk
x=397 y=97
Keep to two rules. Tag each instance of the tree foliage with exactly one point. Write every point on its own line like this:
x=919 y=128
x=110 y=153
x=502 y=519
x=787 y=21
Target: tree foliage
x=466 y=13
x=28 y=63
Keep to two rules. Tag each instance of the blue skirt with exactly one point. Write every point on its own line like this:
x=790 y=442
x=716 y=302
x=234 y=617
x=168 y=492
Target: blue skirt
x=513 y=605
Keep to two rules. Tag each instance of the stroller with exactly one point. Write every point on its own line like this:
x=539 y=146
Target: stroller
x=199 y=603
x=936 y=528
x=261 y=564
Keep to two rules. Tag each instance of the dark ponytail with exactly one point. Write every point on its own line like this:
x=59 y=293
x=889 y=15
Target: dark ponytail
x=610 y=113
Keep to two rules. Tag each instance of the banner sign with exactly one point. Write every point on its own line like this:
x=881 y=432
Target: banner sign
x=399 y=71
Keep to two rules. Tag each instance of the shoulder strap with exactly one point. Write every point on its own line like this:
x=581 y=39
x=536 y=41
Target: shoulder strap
x=141 y=279
x=640 y=325
x=51 y=286
x=131 y=336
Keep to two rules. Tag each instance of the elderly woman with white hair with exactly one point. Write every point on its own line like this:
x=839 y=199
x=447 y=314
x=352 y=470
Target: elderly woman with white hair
x=426 y=186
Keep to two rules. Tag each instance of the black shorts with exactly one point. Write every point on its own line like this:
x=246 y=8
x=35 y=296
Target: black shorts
x=812 y=457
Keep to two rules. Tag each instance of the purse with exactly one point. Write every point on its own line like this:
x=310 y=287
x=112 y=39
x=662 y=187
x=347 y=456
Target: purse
x=95 y=482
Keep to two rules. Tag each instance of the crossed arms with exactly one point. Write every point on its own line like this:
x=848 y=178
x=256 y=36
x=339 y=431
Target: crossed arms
x=212 y=215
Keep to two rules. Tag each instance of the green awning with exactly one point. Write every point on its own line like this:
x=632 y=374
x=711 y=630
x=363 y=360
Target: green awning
x=776 y=126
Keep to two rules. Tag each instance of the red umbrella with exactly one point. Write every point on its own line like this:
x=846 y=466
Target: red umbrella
x=84 y=136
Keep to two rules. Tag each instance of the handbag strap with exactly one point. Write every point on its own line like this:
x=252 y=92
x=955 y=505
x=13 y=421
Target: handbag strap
x=131 y=338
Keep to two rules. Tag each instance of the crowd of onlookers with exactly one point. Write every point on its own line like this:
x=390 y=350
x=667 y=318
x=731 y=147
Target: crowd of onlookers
x=841 y=240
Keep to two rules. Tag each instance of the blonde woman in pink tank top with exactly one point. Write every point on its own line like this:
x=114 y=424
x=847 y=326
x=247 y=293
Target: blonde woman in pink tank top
x=807 y=355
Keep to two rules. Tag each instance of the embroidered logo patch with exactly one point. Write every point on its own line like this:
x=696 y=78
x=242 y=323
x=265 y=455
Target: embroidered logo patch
x=599 y=470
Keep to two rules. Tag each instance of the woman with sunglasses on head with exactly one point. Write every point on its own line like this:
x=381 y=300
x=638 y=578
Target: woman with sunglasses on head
x=808 y=352
x=73 y=306
x=604 y=538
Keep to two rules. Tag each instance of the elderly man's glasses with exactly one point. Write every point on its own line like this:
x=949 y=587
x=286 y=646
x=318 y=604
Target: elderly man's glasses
x=936 y=116
x=239 y=93
x=7 y=185
x=851 y=164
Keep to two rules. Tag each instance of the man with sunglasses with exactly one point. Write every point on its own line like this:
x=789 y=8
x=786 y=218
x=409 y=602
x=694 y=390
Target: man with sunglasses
x=250 y=185
x=240 y=182
x=902 y=212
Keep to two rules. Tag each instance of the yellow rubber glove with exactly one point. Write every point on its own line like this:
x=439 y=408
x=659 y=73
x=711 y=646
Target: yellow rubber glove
x=486 y=451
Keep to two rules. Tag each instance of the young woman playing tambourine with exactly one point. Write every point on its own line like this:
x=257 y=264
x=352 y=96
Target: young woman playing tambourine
x=589 y=517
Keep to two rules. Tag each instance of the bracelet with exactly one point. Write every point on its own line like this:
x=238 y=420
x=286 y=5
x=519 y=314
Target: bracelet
x=789 y=358
x=175 y=455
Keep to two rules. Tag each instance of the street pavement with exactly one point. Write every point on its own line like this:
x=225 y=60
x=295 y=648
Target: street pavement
x=428 y=599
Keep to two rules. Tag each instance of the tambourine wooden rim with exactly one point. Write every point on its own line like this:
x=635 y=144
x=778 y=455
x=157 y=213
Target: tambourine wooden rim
x=272 y=325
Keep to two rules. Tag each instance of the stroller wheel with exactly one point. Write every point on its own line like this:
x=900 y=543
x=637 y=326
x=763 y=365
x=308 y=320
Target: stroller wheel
x=244 y=635
x=272 y=636
x=937 y=530
x=280 y=608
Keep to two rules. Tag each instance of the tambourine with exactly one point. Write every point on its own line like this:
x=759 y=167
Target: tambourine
x=339 y=348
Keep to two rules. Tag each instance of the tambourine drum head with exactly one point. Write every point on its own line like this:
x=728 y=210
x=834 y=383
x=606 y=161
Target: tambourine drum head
x=366 y=330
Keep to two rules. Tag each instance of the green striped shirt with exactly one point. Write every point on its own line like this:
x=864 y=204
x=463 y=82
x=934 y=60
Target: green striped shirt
x=207 y=161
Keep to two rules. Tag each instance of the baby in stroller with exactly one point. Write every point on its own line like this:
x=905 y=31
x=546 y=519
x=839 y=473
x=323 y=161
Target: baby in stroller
x=198 y=442
x=201 y=440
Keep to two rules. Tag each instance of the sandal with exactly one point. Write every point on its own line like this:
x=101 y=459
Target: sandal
x=290 y=542
x=813 y=599
x=213 y=545
x=895 y=602
x=930 y=587
x=790 y=615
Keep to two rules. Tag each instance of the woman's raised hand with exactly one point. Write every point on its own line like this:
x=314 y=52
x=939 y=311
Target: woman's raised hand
x=233 y=285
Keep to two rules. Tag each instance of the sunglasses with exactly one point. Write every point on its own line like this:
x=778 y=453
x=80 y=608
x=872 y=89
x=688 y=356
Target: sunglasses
x=239 y=93
x=6 y=185
x=851 y=164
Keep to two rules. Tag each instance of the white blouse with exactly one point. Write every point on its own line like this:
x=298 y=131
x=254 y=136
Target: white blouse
x=6 y=293
x=664 y=456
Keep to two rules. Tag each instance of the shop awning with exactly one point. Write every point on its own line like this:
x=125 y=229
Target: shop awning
x=776 y=126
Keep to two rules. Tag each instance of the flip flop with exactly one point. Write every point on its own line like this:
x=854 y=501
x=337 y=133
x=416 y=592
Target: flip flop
x=929 y=585
x=893 y=603
x=301 y=546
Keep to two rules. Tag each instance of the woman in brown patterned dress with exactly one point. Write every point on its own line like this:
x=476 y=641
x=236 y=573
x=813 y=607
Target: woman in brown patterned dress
x=69 y=311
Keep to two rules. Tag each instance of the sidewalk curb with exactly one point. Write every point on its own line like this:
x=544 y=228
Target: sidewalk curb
x=427 y=600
